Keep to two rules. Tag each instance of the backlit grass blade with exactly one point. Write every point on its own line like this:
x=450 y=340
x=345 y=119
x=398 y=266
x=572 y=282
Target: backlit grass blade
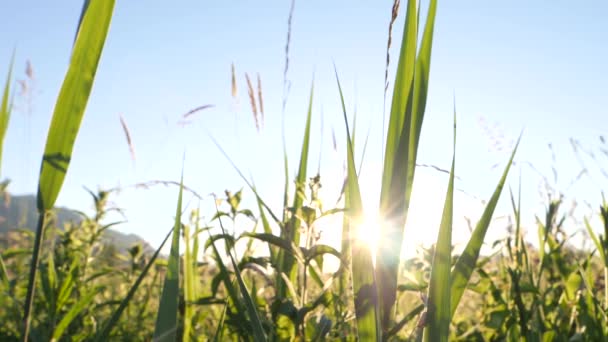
x=344 y=284
x=5 y=108
x=438 y=307
x=468 y=259
x=166 y=321
x=104 y=333
x=291 y=230
x=364 y=283
x=405 y=123
x=421 y=77
x=68 y=113
x=72 y=100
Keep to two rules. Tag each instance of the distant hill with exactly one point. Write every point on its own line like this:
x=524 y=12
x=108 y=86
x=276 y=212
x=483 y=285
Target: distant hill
x=19 y=212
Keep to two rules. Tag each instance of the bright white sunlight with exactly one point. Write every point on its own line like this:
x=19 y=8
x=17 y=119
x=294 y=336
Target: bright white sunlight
x=368 y=232
x=186 y=171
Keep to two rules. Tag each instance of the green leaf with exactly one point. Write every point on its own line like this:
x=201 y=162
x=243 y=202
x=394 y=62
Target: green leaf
x=4 y=273
x=67 y=116
x=282 y=244
x=256 y=323
x=72 y=100
x=190 y=270
x=319 y=250
x=438 y=310
x=5 y=107
x=468 y=259
x=224 y=276
x=364 y=282
x=292 y=228
x=213 y=238
x=405 y=124
x=596 y=241
x=267 y=230
x=166 y=321
x=74 y=311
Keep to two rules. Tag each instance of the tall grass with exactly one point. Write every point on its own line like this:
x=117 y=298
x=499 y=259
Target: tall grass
x=90 y=292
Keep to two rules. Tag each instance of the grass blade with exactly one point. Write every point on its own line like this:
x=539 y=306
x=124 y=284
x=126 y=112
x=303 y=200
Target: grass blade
x=405 y=123
x=230 y=289
x=69 y=110
x=468 y=259
x=74 y=311
x=292 y=228
x=166 y=321
x=438 y=308
x=364 y=283
x=189 y=278
x=5 y=107
x=104 y=333
x=596 y=241
x=72 y=100
x=256 y=323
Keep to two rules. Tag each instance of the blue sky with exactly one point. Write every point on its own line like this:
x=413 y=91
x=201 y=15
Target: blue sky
x=538 y=66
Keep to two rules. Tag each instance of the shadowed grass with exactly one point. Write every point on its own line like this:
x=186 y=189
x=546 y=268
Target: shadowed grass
x=438 y=306
x=166 y=321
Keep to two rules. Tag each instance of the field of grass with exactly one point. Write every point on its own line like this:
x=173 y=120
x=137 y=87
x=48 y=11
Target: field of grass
x=66 y=284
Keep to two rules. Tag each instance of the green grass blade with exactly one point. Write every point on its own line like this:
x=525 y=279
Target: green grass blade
x=292 y=228
x=595 y=240
x=4 y=274
x=421 y=77
x=266 y=225
x=256 y=323
x=230 y=289
x=364 y=283
x=405 y=123
x=468 y=259
x=438 y=308
x=74 y=311
x=401 y=90
x=85 y=5
x=220 y=325
x=104 y=333
x=68 y=113
x=166 y=321
x=72 y=100
x=189 y=277
x=5 y=107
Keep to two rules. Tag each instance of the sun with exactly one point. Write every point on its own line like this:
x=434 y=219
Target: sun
x=368 y=233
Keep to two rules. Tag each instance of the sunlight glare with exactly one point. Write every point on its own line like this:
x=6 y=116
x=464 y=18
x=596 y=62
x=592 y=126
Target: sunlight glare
x=368 y=233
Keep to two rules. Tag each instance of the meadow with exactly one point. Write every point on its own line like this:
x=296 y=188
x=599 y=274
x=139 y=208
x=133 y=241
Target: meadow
x=68 y=284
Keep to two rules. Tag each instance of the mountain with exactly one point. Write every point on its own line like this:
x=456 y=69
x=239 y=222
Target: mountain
x=20 y=212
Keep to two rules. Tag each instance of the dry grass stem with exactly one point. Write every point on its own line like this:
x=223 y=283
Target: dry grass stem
x=128 y=136
x=260 y=100
x=196 y=110
x=254 y=108
x=233 y=81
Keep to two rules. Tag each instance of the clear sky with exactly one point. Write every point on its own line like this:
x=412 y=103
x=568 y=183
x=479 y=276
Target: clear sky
x=539 y=66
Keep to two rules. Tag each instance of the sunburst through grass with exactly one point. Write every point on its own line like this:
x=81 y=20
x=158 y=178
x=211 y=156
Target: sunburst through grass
x=368 y=232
